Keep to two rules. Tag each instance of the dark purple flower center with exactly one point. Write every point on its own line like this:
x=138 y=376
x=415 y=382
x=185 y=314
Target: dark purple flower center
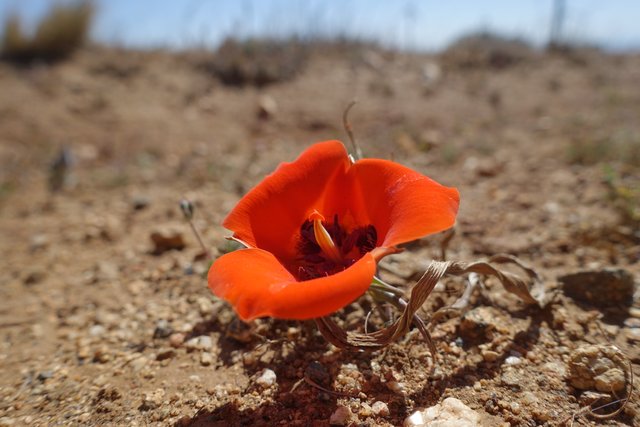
x=313 y=262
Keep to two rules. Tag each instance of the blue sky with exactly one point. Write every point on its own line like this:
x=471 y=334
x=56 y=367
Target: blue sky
x=426 y=24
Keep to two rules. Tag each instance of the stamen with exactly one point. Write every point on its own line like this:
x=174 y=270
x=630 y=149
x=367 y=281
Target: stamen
x=324 y=239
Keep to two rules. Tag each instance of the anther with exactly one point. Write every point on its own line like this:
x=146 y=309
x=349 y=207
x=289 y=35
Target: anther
x=324 y=240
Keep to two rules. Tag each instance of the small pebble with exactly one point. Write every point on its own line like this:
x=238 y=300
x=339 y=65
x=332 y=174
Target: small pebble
x=138 y=363
x=152 y=400
x=599 y=367
x=380 y=408
x=512 y=360
x=515 y=407
x=206 y=359
x=97 y=330
x=451 y=412
x=365 y=410
x=529 y=398
x=162 y=330
x=396 y=387
x=490 y=356
x=203 y=342
x=340 y=416
x=176 y=340
x=266 y=379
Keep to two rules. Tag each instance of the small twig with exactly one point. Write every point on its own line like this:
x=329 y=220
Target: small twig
x=187 y=210
x=357 y=152
x=326 y=390
x=444 y=243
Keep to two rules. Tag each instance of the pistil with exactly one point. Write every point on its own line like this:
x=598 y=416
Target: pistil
x=324 y=240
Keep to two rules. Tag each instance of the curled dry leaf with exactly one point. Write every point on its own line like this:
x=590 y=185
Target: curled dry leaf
x=529 y=289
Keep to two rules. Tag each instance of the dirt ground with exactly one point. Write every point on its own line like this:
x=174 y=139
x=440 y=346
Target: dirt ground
x=101 y=326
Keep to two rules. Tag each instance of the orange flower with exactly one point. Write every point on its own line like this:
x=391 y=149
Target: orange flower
x=316 y=228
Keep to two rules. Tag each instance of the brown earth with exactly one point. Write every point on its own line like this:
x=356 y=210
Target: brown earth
x=100 y=328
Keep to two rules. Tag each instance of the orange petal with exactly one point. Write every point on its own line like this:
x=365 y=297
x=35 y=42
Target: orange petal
x=401 y=203
x=270 y=215
x=256 y=284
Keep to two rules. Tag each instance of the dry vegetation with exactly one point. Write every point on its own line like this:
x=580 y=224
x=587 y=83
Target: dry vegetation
x=62 y=31
x=104 y=312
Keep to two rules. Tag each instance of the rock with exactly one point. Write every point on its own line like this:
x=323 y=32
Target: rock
x=167 y=239
x=396 y=387
x=589 y=398
x=206 y=359
x=598 y=367
x=511 y=378
x=97 y=330
x=341 y=416
x=176 y=340
x=611 y=380
x=365 y=410
x=380 y=408
x=138 y=363
x=202 y=342
x=152 y=400
x=512 y=360
x=162 y=330
x=266 y=379
x=450 y=413
x=267 y=107
x=490 y=356
x=605 y=287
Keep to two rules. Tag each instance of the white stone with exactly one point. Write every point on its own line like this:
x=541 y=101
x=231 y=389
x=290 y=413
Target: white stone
x=450 y=413
x=203 y=342
x=267 y=378
x=414 y=420
x=512 y=360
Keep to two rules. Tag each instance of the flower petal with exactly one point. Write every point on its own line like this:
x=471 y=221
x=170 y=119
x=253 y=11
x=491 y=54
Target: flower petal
x=270 y=215
x=256 y=284
x=402 y=204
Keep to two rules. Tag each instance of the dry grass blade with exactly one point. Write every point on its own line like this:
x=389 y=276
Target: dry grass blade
x=421 y=291
x=357 y=151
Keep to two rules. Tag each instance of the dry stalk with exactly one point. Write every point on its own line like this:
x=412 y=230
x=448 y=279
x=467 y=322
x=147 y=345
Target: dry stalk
x=377 y=340
x=357 y=152
x=187 y=211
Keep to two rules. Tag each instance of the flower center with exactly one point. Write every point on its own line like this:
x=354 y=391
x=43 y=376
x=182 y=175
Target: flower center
x=326 y=248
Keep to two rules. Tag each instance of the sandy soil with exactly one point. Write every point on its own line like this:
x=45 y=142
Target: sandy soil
x=98 y=327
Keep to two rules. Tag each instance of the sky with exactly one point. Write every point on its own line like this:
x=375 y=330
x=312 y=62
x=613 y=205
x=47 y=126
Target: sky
x=407 y=24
